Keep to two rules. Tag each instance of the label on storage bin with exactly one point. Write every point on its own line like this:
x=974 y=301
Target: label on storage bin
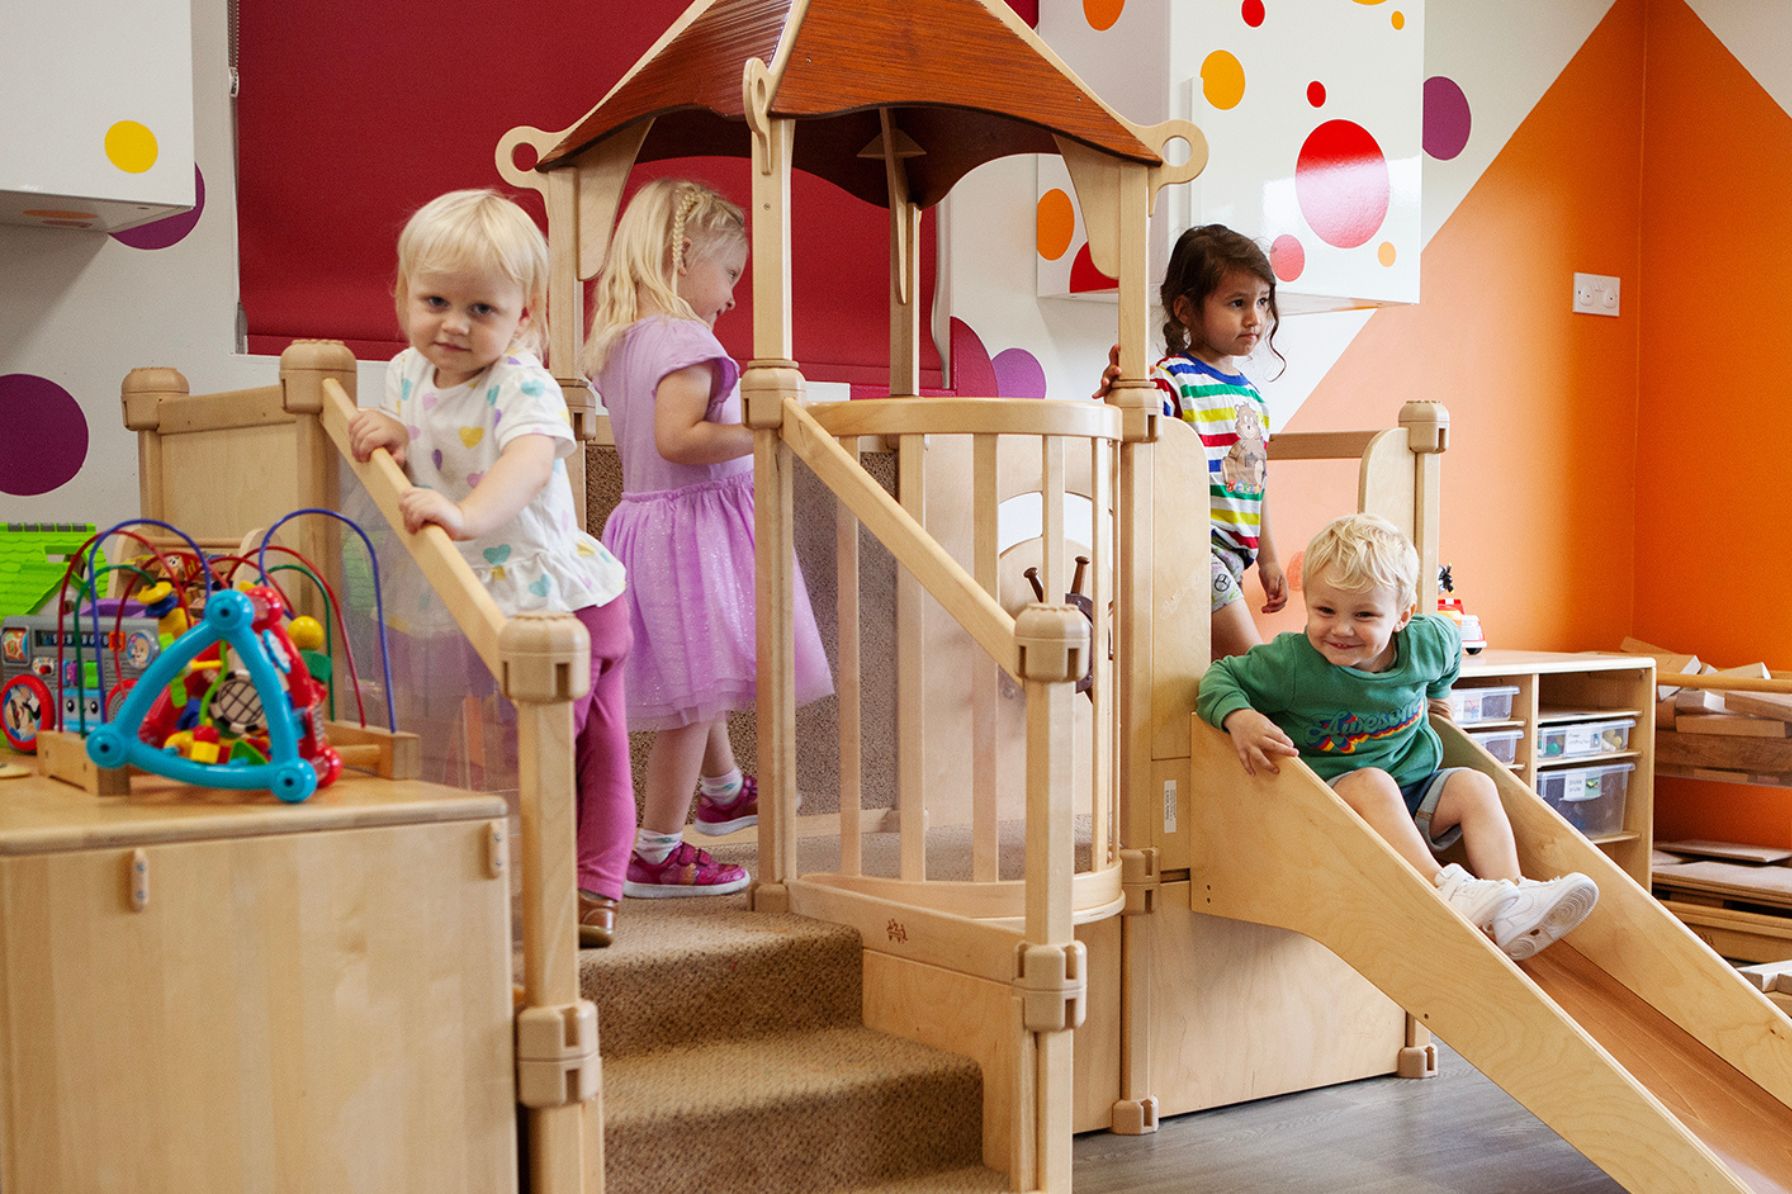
x=1169 y=806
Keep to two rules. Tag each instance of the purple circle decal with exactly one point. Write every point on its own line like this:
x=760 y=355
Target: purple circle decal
x=171 y=230
x=1446 y=118
x=46 y=435
x=1018 y=374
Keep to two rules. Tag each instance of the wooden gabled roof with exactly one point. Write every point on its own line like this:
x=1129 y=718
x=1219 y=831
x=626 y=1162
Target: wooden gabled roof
x=967 y=81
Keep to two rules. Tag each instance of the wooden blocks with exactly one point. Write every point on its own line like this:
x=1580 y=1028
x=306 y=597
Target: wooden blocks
x=1736 y=727
x=386 y=754
x=1731 y=725
x=63 y=756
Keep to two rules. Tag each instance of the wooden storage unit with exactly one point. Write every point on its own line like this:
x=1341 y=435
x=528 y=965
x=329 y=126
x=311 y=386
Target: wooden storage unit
x=1558 y=691
x=203 y=990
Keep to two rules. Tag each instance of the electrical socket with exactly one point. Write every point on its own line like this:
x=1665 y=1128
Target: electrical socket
x=1595 y=294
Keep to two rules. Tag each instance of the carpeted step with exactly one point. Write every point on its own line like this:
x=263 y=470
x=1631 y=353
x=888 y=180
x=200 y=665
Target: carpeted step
x=832 y=1108
x=686 y=971
x=972 y=1180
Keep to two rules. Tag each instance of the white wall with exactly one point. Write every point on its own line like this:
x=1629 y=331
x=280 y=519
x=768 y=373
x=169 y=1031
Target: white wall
x=82 y=309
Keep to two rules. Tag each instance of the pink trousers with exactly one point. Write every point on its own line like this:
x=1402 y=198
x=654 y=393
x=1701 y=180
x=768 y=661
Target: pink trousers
x=606 y=782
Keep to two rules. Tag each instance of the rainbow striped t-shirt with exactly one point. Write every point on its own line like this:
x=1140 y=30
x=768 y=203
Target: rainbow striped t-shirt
x=1232 y=420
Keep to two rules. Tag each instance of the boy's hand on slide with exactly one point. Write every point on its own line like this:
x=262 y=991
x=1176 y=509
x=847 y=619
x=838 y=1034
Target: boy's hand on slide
x=1440 y=710
x=1275 y=586
x=1110 y=375
x=369 y=429
x=1258 y=741
x=421 y=507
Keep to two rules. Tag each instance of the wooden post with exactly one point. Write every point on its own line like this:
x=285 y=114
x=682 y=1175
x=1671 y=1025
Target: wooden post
x=905 y=272
x=142 y=394
x=911 y=671
x=304 y=367
x=985 y=674
x=545 y=666
x=1053 y=642
x=1427 y=437
x=846 y=572
x=770 y=381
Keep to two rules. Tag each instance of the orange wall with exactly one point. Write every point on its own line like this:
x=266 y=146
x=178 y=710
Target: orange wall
x=1538 y=490
x=1713 y=524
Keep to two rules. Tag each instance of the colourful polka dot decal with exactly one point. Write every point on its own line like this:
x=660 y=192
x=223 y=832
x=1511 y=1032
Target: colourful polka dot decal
x=1084 y=277
x=1013 y=373
x=131 y=147
x=1385 y=252
x=1018 y=374
x=1101 y=14
x=1287 y=257
x=1252 y=12
x=1055 y=224
x=46 y=435
x=1316 y=93
x=1341 y=183
x=1446 y=120
x=1398 y=19
x=161 y=234
x=1222 y=79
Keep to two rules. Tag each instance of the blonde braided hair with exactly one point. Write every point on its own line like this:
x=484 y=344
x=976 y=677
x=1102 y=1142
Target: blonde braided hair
x=689 y=198
x=647 y=255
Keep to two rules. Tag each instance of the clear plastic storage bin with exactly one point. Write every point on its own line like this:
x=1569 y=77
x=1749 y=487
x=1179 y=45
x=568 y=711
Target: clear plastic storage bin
x=1590 y=798
x=1501 y=744
x=1584 y=738
x=1482 y=704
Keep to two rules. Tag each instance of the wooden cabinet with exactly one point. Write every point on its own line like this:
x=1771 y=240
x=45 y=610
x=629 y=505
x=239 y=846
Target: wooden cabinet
x=208 y=991
x=1568 y=714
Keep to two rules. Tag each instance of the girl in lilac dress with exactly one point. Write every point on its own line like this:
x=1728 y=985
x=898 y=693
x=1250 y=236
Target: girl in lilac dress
x=684 y=527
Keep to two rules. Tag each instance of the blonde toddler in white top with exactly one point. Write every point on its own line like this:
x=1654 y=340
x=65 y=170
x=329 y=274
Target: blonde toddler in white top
x=482 y=431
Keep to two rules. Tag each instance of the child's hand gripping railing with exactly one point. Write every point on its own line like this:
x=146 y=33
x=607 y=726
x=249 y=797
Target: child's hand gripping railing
x=969 y=926
x=542 y=664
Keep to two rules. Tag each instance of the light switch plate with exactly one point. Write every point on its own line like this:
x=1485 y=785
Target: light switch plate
x=1595 y=294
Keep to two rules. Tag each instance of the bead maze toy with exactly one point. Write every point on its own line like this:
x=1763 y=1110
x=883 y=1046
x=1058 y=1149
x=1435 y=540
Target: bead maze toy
x=227 y=686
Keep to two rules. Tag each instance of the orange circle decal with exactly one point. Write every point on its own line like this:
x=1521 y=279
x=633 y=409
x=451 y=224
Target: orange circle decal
x=1056 y=222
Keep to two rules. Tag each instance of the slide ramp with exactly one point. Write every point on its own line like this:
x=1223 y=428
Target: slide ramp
x=1632 y=1040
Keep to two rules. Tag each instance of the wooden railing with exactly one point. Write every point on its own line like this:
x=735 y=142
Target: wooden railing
x=542 y=664
x=1019 y=933
x=978 y=599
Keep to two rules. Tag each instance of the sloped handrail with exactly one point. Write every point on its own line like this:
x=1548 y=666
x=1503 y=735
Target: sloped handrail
x=465 y=599
x=943 y=577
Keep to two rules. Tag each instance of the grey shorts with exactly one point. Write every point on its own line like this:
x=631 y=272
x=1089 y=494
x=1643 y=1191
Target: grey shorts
x=1421 y=797
x=1228 y=574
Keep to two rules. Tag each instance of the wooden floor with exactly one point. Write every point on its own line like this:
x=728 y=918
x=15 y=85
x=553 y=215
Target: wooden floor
x=1456 y=1132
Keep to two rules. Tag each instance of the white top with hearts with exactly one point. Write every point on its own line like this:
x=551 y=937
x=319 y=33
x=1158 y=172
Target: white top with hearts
x=540 y=560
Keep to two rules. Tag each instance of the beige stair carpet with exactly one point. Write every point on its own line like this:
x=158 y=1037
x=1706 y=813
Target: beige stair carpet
x=734 y=1060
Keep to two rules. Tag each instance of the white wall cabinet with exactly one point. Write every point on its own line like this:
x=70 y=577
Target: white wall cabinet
x=99 y=113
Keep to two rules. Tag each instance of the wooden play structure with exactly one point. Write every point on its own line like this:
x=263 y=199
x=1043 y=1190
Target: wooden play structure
x=1102 y=911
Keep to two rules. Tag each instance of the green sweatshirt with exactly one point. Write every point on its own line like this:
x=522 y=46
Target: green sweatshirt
x=1340 y=718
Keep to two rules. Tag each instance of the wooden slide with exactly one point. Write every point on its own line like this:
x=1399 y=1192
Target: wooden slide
x=1631 y=1039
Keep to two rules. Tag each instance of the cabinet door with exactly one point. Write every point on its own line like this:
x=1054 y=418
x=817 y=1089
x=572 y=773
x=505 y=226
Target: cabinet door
x=309 y=1012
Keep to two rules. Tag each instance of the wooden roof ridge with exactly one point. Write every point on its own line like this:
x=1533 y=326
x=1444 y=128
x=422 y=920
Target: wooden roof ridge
x=836 y=57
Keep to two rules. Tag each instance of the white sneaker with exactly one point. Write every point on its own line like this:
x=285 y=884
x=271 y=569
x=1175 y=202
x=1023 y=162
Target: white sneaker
x=1479 y=901
x=1543 y=912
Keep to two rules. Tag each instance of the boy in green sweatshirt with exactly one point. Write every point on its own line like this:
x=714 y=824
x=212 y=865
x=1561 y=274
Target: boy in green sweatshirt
x=1349 y=697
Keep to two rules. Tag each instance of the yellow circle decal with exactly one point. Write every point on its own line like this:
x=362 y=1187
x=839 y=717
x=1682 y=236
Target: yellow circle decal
x=1385 y=253
x=131 y=147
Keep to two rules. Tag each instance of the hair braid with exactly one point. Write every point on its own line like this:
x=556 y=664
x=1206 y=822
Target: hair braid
x=688 y=200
